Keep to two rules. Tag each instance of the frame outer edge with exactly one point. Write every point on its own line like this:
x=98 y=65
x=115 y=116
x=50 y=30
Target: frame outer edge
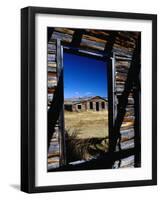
x=28 y=98
x=24 y=100
x=91 y=13
x=31 y=99
x=154 y=100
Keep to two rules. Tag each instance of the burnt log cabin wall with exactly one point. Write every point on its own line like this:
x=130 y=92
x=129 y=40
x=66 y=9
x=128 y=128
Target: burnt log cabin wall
x=55 y=101
x=98 y=44
x=53 y=136
x=126 y=54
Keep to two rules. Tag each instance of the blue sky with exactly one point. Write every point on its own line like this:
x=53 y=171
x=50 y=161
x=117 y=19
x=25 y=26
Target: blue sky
x=84 y=76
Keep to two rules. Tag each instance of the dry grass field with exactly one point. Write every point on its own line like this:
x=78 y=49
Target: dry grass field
x=87 y=134
x=88 y=124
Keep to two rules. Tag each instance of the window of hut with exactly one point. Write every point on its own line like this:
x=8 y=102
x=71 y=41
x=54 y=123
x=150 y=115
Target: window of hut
x=79 y=107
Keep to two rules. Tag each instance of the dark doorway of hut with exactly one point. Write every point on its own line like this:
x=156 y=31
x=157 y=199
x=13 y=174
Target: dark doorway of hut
x=86 y=124
x=97 y=106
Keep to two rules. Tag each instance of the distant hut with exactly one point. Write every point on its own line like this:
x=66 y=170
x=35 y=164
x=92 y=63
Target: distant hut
x=96 y=103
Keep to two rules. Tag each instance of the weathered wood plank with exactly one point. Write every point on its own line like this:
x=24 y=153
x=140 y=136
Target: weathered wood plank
x=98 y=33
x=64 y=30
x=122 y=52
x=94 y=39
x=123 y=58
x=53 y=159
x=54 y=154
x=124 y=35
x=52 y=69
x=50 y=97
x=127 y=144
x=127 y=134
x=52 y=75
x=123 y=48
x=126 y=162
x=52 y=84
x=52 y=64
x=129 y=118
x=51 y=57
x=126 y=43
x=92 y=44
x=53 y=165
x=122 y=69
x=62 y=36
x=54 y=147
x=121 y=78
x=127 y=124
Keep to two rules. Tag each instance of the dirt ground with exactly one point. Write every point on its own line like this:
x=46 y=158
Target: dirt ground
x=87 y=124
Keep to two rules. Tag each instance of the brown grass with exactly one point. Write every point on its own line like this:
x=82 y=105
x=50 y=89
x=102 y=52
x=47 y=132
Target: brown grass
x=86 y=134
x=88 y=124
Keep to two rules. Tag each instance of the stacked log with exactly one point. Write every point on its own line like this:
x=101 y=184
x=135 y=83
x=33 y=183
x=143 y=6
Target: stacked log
x=126 y=162
x=54 y=150
x=54 y=147
x=51 y=68
x=123 y=49
x=65 y=35
x=92 y=42
x=125 y=43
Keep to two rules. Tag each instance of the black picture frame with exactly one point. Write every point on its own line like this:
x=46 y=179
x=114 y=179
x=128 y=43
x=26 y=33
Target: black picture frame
x=28 y=98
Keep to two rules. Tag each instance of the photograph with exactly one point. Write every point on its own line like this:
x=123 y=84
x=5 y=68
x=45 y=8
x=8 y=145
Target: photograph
x=89 y=99
x=93 y=99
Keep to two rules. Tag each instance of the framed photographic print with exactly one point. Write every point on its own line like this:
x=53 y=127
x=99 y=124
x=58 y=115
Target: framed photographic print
x=88 y=99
